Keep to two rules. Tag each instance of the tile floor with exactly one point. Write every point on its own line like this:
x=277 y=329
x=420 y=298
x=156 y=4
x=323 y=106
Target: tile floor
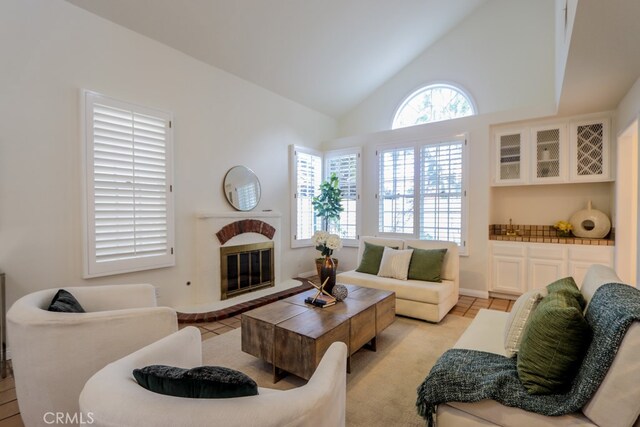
x=10 y=414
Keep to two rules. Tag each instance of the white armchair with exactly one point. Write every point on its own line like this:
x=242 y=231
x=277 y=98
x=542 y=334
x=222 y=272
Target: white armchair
x=54 y=354
x=112 y=397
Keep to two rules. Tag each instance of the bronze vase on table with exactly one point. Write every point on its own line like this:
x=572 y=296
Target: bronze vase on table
x=328 y=270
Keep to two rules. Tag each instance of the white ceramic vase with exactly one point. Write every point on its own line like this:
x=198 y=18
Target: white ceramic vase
x=590 y=223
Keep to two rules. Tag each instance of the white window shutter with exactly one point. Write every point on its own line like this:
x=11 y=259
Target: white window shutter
x=346 y=165
x=129 y=190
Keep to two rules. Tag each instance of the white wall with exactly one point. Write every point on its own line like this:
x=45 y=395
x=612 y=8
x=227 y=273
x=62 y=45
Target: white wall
x=628 y=114
x=50 y=50
x=503 y=54
x=547 y=204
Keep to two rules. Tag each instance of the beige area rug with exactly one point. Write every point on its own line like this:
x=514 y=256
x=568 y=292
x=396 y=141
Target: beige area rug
x=381 y=388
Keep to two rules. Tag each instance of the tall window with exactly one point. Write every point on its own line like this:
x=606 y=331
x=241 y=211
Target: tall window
x=129 y=203
x=346 y=165
x=396 y=190
x=424 y=195
x=307 y=176
x=433 y=103
x=307 y=172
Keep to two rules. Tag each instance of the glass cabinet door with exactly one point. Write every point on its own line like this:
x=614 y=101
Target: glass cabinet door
x=510 y=163
x=548 y=154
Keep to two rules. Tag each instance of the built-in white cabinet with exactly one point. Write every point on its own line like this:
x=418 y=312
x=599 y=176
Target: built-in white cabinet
x=566 y=152
x=518 y=267
x=549 y=151
x=508 y=268
x=590 y=151
x=511 y=165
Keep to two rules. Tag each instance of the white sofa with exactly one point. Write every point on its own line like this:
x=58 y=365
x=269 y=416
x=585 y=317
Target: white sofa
x=615 y=404
x=112 y=397
x=54 y=354
x=414 y=298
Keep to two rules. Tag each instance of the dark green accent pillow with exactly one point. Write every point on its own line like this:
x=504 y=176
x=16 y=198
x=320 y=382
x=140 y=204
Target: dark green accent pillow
x=64 y=302
x=553 y=344
x=203 y=382
x=569 y=286
x=371 y=257
x=426 y=264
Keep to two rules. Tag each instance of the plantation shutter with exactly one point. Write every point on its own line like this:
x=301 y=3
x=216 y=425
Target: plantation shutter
x=129 y=209
x=396 y=191
x=441 y=184
x=308 y=177
x=346 y=165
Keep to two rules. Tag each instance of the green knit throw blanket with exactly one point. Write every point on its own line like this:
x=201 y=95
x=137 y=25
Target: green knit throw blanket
x=469 y=376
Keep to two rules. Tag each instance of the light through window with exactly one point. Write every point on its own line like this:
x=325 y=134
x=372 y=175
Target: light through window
x=433 y=103
x=427 y=200
x=345 y=164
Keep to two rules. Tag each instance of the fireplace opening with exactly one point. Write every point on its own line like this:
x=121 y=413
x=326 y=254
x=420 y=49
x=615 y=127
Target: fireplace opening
x=246 y=268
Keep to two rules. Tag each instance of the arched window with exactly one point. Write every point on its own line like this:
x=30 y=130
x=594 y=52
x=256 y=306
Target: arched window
x=433 y=103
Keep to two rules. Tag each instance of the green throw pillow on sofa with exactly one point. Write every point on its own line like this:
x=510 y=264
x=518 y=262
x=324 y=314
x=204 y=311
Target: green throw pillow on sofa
x=371 y=257
x=569 y=286
x=426 y=264
x=553 y=344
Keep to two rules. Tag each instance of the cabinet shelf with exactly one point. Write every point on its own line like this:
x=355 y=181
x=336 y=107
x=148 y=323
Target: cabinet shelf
x=548 y=161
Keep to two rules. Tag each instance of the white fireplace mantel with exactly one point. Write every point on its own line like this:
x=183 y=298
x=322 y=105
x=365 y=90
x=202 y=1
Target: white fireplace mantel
x=239 y=214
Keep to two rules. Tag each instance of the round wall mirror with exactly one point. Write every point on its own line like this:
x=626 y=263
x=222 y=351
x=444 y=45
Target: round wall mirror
x=242 y=188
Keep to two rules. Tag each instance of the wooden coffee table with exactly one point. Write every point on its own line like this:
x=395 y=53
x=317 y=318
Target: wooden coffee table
x=293 y=336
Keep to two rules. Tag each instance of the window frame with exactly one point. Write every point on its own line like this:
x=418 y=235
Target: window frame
x=91 y=267
x=293 y=156
x=425 y=87
x=324 y=156
x=333 y=154
x=417 y=146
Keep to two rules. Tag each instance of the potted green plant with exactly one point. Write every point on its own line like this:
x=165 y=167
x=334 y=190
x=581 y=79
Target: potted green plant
x=328 y=203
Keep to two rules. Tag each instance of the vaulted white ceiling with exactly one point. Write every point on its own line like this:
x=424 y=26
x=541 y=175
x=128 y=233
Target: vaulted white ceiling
x=604 y=56
x=325 y=54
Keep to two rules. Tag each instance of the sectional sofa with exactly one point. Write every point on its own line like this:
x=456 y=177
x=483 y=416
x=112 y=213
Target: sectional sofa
x=615 y=404
x=429 y=301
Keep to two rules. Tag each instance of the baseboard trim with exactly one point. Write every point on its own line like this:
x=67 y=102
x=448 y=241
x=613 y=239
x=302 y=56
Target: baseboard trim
x=307 y=274
x=474 y=293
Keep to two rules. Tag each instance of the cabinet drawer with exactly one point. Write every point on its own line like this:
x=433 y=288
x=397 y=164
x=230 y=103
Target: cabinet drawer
x=592 y=254
x=508 y=249
x=554 y=252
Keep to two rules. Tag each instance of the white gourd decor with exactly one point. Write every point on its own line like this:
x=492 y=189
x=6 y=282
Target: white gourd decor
x=590 y=223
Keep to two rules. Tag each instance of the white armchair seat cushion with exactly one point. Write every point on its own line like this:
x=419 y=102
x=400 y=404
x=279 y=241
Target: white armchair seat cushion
x=112 y=397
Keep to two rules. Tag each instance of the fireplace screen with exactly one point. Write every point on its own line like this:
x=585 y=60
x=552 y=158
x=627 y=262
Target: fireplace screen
x=246 y=268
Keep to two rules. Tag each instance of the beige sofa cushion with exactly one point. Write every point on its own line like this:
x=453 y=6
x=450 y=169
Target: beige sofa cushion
x=496 y=414
x=413 y=290
x=518 y=319
x=617 y=401
x=395 y=263
x=485 y=332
